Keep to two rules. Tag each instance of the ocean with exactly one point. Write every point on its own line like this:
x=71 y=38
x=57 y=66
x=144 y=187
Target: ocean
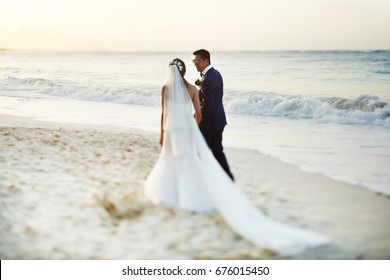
x=325 y=111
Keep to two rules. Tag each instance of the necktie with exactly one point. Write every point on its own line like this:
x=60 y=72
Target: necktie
x=201 y=74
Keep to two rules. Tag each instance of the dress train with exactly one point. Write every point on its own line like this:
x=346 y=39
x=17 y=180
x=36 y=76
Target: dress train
x=187 y=176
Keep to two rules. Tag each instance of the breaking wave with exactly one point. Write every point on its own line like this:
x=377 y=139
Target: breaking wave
x=364 y=109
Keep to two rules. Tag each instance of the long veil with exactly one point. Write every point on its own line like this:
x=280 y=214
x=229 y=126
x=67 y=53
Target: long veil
x=187 y=176
x=177 y=112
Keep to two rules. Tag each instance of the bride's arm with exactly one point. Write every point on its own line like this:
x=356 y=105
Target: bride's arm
x=162 y=117
x=196 y=103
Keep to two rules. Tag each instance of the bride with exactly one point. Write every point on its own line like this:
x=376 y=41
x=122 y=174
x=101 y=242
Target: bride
x=187 y=176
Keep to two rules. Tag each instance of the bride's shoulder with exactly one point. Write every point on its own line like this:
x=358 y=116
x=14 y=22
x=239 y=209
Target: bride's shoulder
x=192 y=91
x=192 y=88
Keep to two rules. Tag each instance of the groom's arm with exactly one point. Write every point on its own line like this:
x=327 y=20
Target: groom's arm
x=208 y=98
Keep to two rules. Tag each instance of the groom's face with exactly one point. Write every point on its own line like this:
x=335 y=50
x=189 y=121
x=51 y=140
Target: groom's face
x=199 y=63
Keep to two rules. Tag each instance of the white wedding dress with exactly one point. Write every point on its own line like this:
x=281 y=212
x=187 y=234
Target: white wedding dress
x=187 y=176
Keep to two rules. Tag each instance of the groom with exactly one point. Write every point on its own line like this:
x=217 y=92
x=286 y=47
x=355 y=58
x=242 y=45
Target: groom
x=213 y=114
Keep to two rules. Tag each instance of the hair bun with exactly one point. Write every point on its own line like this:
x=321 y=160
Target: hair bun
x=180 y=65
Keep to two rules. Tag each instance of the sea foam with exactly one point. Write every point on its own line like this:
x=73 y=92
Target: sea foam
x=363 y=109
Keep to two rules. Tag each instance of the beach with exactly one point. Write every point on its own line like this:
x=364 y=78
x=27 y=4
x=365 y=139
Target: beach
x=307 y=140
x=75 y=191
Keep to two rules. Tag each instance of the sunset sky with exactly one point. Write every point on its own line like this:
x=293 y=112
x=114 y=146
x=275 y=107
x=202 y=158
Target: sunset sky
x=175 y=25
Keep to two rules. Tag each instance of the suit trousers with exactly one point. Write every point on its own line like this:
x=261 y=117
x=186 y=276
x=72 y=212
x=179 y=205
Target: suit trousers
x=215 y=144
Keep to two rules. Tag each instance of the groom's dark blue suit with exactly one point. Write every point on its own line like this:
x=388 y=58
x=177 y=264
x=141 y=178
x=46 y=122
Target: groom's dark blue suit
x=213 y=115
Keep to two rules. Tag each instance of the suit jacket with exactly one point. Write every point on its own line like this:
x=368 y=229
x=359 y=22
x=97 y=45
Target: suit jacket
x=210 y=95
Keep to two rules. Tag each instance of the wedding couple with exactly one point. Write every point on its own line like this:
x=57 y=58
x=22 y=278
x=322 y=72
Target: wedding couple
x=192 y=172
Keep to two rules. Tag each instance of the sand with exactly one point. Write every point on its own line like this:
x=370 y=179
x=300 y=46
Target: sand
x=72 y=191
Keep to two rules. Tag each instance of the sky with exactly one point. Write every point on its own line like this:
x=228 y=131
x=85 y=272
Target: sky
x=181 y=25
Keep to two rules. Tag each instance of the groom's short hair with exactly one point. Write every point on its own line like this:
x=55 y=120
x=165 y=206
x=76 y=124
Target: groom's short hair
x=204 y=54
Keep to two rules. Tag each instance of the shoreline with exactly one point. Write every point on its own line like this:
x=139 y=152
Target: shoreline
x=63 y=185
x=268 y=140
